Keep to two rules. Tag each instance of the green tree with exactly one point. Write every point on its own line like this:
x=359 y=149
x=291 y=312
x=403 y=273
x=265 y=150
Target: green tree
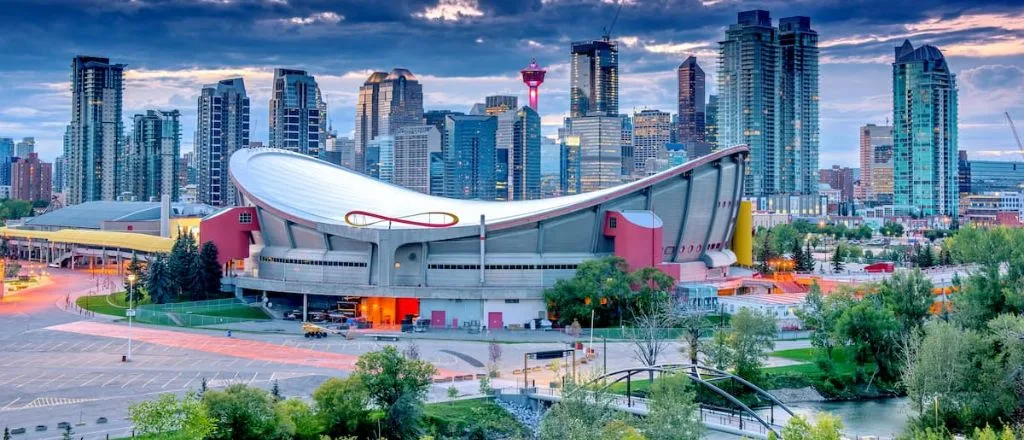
x=341 y=406
x=135 y=268
x=837 y=259
x=987 y=293
x=909 y=296
x=958 y=374
x=751 y=336
x=600 y=285
x=241 y=412
x=825 y=427
x=718 y=351
x=182 y=264
x=872 y=329
x=620 y=430
x=210 y=273
x=672 y=411
x=806 y=263
x=275 y=391
x=67 y=434
x=764 y=250
x=307 y=423
x=821 y=314
x=579 y=418
x=158 y=281
x=175 y=419
x=796 y=253
x=7 y=434
x=398 y=386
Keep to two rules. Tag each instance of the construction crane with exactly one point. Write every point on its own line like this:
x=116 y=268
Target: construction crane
x=608 y=30
x=1016 y=136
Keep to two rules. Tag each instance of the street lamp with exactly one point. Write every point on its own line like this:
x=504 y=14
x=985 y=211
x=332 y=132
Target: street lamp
x=130 y=312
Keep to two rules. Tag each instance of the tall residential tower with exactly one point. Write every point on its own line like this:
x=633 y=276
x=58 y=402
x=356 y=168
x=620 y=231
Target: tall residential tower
x=222 y=128
x=97 y=130
x=798 y=107
x=690 y=79
x=924 y=131
x=296 y=113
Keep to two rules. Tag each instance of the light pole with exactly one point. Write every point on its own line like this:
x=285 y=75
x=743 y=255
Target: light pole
x=130 y=312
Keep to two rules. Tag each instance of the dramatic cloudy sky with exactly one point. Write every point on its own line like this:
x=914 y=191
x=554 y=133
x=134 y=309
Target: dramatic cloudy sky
x=463 y=50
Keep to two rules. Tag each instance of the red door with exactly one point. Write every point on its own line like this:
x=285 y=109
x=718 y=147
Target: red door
x=494 y=321
x=437 y=318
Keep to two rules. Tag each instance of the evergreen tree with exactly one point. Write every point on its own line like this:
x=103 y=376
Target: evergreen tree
x=808 y=262
x=7 y=433
x=275 y=391
x=67 y=433
x=134 y=268
x=158 y=281
x=927 y=256
x=837 y=260
x=210 y=268
x=945 y=257
x=182 y=263
x=797 y=255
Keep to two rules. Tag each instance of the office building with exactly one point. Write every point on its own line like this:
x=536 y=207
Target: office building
x=57 y=182
x=387 y=101
x=502 y=153
x=964 y=172
x=380 y=158
x=924 y=131
x=152 y=165
x=881 y=174
x=297 y=113
x=594 y=78
x=25 y=147
x=525 y=155
x=497 y=104
x=413 y=146
x=651 y=131
x=690 y=79
x=470 y=157
x=222 y=127
x=97 y=130
x=627 y=147
x=6 y=153
x=600 y=151
x=570 y=170
x=711 y=123
x=871 y=138
x=437 y=118
x=840 y=179
x=367 y=117
x=986 y=176
x=31 y=179
x=798 y=107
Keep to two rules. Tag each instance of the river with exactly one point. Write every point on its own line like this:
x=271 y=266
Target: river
x=882 y=418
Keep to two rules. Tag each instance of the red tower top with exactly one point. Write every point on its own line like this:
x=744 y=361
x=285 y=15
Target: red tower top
x=533 y=77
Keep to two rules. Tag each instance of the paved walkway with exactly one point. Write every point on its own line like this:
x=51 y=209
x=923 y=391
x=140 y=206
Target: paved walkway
x=225 y=346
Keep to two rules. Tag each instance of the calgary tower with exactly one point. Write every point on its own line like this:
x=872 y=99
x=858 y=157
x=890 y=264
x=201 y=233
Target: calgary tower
x=533 y=77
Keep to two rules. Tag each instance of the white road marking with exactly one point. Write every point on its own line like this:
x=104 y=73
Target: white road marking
x=12 y=403
x=93 y=378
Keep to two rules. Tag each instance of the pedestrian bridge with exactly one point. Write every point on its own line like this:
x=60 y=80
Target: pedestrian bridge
x=719 y=409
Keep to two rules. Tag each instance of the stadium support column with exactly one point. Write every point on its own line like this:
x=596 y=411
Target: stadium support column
x=305 y=307
x=483 y=237
x=165 y=216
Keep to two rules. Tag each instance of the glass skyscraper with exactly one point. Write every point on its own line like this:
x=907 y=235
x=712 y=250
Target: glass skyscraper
x=296 y=113
x=387 y=102
x=711 y=122
x=594 y=78
x=222 y=128
x=524 y=165
x=413 y=146
x=691 y=102
x=152 y=164
x=470 y=156
x=924 y=131
x=651 y=131
x=994 y=176
x=6 y=151
x=97 y=130
x=798 y=107
x=599 y=151
x=748 y=73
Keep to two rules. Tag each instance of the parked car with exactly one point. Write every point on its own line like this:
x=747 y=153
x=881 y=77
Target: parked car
x=293 y=315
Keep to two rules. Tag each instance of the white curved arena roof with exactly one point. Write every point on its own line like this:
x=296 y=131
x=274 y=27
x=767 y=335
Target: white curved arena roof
x=307 y=190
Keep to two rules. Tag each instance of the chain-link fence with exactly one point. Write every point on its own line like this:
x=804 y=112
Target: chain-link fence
x=197 y=313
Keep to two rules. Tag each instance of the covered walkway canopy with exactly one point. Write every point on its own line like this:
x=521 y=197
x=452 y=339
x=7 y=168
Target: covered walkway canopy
x=98 y=239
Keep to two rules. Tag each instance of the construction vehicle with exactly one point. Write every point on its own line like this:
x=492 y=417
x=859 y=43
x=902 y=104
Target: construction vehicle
x=311 y=330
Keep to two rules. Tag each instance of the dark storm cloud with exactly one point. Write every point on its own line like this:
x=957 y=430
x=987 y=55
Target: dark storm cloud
x=477 y=47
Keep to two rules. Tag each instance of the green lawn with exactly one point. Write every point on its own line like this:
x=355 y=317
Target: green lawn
x=472 y=418
x=841 y=357
x=244 y=312
x=112 y=304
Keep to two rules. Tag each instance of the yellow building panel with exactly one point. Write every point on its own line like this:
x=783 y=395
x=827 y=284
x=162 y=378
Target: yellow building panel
x=107 y=239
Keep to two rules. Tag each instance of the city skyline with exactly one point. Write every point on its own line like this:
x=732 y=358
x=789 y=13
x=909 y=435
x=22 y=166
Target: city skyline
x=982 y=40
